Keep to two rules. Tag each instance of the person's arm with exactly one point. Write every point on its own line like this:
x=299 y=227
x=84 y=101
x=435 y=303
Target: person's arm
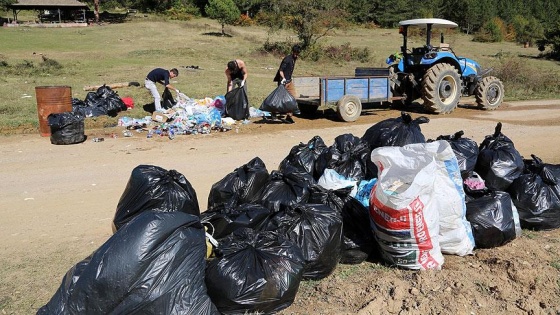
x=168 y=85
x=229 y=82
x=171 y=87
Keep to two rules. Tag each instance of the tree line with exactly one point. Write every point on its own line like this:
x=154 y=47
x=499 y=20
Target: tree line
x=534 y=22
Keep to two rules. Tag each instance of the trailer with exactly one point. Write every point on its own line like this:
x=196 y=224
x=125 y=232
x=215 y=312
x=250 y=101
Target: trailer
x=344 y=94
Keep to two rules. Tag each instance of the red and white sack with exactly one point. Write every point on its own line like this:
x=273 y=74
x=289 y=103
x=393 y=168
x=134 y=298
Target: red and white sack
x=404 y=221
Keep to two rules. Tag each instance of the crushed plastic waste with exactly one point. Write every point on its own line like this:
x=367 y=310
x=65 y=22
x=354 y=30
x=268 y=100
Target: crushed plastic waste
x=187 y=117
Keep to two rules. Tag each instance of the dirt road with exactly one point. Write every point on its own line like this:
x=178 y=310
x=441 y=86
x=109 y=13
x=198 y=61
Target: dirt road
x=57 y=202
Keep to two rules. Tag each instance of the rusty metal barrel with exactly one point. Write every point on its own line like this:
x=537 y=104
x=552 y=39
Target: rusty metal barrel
x=51 y=99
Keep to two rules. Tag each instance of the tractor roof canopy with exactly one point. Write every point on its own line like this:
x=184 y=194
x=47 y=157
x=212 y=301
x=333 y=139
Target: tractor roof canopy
x=423 y=23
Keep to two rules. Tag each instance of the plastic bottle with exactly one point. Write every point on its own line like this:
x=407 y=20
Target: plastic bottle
x=150 y=134
x=171 y=134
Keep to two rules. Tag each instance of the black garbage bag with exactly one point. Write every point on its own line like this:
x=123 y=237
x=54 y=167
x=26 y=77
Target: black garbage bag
x=66 y=128
x=303 y=156
x=536 y=194
x=337 y=200
x=80 y=107
x=104 y=101
x=347 y=156
x=225 y=220
x=113 y=103
x=393 y=132
x=154 y=188
x=280 y=101
x=243 y=185
x=334 y=198
x=498 y=162
x=466 y=151
x=317 y=230
x=492 y=219
x=167 y=100
x=286 y=188
x=153 y=265
x=237 y=104
x=96 y=104
x=254 y=272
x=357 y=229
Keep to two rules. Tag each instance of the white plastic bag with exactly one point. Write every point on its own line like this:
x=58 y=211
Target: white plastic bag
x=455 y=231
x=405 y=223
x=334 y=181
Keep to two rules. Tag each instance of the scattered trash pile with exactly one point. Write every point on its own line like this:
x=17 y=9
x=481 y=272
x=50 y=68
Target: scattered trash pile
x=186 y=116
x=391 y=196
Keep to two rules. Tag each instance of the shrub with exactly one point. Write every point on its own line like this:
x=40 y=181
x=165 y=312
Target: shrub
x=244 y=20
x=520 y=79
x=317 y=52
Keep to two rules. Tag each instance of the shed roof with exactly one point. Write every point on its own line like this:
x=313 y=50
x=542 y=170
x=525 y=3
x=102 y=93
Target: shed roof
x=45 y=4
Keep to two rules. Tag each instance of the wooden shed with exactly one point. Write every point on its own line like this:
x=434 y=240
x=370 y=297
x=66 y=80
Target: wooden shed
x=53 y=11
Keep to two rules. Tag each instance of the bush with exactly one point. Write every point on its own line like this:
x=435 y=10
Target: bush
x=552 y=40
x=521 y=80
x=28 y=68
x=244 y=20
x=317 y=52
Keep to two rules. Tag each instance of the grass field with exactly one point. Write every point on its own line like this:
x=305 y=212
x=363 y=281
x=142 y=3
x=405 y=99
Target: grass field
x=111 y=53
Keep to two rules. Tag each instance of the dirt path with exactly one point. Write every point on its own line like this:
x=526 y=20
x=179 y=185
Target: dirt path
x=57 y=202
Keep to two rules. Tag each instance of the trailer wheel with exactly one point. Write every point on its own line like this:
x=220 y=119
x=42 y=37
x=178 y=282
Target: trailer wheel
x=441 y=88
x=489 y=93
x=349 y=108
x=307 y=110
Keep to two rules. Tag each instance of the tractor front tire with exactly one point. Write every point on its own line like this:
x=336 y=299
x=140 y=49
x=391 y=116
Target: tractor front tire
x=441 y=88
x=489 y=93
x=349 y=108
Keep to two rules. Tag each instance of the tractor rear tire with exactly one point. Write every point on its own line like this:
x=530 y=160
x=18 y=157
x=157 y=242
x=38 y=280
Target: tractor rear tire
x=441 y=88
x=349 y=108
x=489 y=93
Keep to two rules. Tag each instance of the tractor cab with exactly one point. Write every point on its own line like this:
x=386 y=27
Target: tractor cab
x=425 y=56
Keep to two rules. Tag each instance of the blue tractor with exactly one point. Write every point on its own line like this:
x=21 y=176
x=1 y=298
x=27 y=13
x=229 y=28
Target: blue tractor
x=437 y=75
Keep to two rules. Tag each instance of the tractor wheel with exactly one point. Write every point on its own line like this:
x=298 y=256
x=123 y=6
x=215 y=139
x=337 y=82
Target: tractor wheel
x=489 y=93
x=349 y=108
x=441 y=88
x=307 y=110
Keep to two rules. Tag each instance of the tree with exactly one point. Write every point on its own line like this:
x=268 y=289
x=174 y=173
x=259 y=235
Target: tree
x=310 y=19
x=552 y=39
x=96 y=10
x=225 y=11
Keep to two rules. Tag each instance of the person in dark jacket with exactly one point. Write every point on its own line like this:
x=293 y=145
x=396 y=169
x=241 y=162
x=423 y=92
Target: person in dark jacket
x=162 y=76
x=284 y=74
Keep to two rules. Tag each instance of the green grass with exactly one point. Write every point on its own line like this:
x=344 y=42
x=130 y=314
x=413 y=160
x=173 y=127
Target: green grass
x=126 y=52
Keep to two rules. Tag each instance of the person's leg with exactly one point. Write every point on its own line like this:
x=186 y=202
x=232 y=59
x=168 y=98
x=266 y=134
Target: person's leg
x=291 y=88
x=151 y=86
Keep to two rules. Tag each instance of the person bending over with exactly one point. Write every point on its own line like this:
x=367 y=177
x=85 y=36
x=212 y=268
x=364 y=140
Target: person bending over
x=162 y=76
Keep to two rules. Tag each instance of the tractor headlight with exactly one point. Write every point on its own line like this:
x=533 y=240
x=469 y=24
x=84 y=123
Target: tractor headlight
x=431 y=55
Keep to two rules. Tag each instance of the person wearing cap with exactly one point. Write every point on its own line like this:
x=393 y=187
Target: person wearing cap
x=236 y=74
x=162 y=76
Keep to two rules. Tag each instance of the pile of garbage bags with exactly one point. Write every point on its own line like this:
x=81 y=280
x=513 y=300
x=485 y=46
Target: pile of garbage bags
x=264 y=232
x=104 y=101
